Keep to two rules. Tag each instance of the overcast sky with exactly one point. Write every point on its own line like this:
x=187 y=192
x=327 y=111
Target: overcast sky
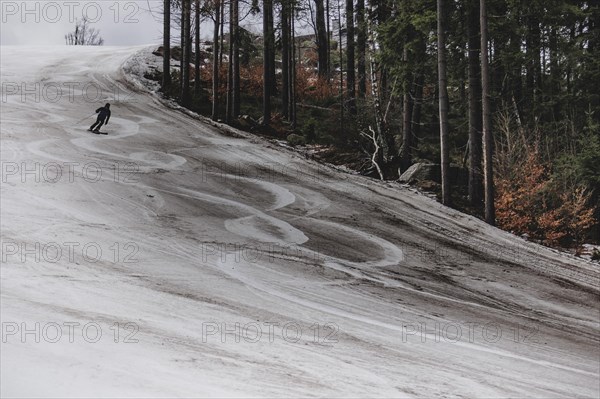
x=46 y=22
x=121 y=22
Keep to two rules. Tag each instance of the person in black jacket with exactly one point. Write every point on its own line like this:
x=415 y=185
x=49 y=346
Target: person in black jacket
x=103 y=117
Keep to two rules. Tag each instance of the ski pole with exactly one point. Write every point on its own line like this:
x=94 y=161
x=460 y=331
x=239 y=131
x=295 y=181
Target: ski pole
x=78 y=122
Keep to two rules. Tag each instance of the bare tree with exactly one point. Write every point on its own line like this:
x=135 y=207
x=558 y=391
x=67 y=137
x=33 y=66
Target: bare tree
x=377 y=134
x=84 y=35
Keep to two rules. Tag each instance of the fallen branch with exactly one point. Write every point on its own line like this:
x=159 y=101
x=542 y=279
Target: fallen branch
x=373 y=137
x=313 y=107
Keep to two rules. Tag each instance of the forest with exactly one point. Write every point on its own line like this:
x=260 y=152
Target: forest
x=501 y=97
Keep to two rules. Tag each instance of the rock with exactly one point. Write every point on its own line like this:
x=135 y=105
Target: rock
x=421 y=171
x=158 y=52
x=247 y=121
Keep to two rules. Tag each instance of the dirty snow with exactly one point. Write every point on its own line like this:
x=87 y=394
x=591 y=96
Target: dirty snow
x=172 y=259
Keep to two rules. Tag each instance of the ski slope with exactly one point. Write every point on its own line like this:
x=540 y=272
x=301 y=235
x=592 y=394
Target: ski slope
x=172 y=259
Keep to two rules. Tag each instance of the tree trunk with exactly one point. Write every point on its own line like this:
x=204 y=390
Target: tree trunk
x=350 y=72
x=321 y=31
x=555 y=75
x=443 y=103
x=534 y=67
x=380 y=127
x=292 y=73
x=341 y=54
x=516 y=68
x=406 y=153
x=222 y=27
x=475 y=187
x=215 y=80
x=167 y=46
x=416 y=113
x=229 y=97
x=272 y=51
x=361 y=47
x=383 y=83
x=285 y=59
x=267 y=51
x=327 y=18
x=187 y=56
x=197 y=58
x=236 y=59
x=420 y=55
x=181 y=49
x=488 y=140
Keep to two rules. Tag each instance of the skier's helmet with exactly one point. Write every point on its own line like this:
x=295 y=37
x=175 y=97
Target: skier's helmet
x=107 y=105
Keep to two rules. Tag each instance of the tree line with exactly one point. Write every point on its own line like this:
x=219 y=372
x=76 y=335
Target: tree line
x=487 y=84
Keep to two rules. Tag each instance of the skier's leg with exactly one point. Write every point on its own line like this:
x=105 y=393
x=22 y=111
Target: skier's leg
x=95 y=123
x=100 y=123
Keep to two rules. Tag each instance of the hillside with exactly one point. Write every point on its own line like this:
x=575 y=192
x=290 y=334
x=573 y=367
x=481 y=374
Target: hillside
x=244 y=269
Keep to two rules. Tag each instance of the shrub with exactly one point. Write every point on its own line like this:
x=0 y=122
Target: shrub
x=528 y=202
x=296 y=139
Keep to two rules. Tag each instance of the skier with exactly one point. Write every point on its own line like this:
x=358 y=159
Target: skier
x=103 y=117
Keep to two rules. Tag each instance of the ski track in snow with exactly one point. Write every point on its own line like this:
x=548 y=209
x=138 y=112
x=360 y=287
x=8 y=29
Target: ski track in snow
x=230 y=230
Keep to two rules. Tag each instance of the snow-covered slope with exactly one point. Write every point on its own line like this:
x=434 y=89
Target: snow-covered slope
x=232 y=268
